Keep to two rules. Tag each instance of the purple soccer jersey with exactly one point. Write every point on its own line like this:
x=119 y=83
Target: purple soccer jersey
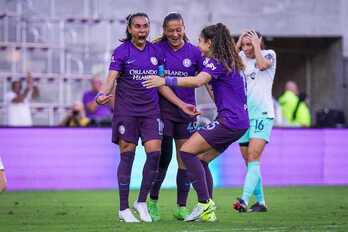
x=229 y=94
x=134 y=65
x=101 y=110
x=186 y=61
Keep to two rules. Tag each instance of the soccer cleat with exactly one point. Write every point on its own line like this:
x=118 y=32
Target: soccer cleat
x=127 y=216
x=153 y=210
x=181 y=213
x=240 y=205
x=200 y=210
x=208 y=217
x=141 y=208
x=257 y=207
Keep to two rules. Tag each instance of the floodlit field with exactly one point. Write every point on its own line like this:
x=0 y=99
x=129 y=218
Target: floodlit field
x=290 y=209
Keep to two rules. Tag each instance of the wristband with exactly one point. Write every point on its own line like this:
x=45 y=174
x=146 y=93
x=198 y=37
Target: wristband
x=171 y=81
x=98 y=95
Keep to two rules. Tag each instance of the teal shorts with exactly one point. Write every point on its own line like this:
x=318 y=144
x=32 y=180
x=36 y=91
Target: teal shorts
x=260 y=128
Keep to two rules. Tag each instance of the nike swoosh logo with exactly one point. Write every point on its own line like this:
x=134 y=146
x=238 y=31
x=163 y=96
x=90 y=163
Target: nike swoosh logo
x=130 y=61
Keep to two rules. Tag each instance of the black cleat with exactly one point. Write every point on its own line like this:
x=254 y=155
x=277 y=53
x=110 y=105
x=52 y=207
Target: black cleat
x=240 y=206
x=257 y=208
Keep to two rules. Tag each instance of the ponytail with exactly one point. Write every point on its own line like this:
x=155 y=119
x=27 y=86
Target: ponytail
x=223 y=46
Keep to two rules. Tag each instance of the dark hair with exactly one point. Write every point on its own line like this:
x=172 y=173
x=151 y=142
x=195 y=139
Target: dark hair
x=13 y=83
x=167 y=19
x=129 y=21
x=223 y=46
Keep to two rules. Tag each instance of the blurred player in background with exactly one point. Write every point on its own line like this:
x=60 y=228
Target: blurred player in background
x=181 y=58
x=260 y=67
x=3 y=181
x=136 y=111
x=222 y=67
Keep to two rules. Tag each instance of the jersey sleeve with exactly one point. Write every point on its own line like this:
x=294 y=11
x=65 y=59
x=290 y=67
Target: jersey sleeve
x=212 y=67
x=199 y=59
x=271 y=56
x=117 y=60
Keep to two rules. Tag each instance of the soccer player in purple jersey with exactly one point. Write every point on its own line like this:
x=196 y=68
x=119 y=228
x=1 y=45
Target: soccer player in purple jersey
x=181 y=59
x=136 y=111
x=222 y=67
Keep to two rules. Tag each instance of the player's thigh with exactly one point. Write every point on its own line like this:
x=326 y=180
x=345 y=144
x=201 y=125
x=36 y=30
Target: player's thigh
x=209 y=155
x=152 y=145
x=244 y=151
x=196 y=144
x=151 y=131
x=126 y=146
x=260 y=132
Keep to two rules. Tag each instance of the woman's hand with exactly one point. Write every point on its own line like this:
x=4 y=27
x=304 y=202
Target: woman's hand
x=103 y=99
x=190 y=110
x=154 y=82
x=239 y=42
x=255 y=40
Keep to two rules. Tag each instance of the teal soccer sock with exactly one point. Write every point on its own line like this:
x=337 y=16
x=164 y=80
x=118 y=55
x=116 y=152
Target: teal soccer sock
x=260 y=197
x=251 y=180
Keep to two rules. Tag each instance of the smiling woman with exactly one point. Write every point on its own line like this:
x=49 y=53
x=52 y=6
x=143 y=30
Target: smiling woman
x=136 y=111
x=222 y=68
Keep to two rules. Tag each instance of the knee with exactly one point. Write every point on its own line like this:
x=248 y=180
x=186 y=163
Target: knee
x=253 y=156
x=127 y=147
x=3 y=187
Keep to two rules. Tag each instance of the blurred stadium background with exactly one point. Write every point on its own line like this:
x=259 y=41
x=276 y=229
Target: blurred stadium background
x=65 y=43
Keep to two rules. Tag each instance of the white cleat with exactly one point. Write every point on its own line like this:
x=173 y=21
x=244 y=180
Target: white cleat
x=141 y=208
x=200 y=210
x=127 y=216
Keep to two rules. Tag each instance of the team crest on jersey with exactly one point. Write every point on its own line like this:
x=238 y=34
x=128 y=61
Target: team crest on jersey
x=252 y=75
x=187 y=62
x=121 y=129
x=154 y=60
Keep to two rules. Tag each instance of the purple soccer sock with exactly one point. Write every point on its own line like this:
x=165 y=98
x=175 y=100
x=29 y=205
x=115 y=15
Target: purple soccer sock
x=182 y=187
x=158 y=183
x=149 y=174
x=209 y=178
x=124 y=170
x=196 y=171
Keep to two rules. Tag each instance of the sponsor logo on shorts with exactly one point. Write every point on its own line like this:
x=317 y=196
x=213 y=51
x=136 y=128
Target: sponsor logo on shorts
x=154 y=60
x=187 y=62
x=212 y=125
x=122 y=129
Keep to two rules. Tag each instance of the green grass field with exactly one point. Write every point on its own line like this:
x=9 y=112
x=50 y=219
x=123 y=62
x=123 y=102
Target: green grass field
x=291 y=209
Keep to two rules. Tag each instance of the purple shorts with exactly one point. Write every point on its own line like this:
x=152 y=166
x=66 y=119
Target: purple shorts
x=220 y=137
x=177 y=130
x=131 y=128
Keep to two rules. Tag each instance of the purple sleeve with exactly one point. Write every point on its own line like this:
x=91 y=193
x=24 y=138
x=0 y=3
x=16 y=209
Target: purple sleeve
x=87 y=98
x=200 y=60
x=212 y=67
x=117 y=60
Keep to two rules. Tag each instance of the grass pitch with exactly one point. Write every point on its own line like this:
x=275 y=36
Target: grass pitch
x=290 y=209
